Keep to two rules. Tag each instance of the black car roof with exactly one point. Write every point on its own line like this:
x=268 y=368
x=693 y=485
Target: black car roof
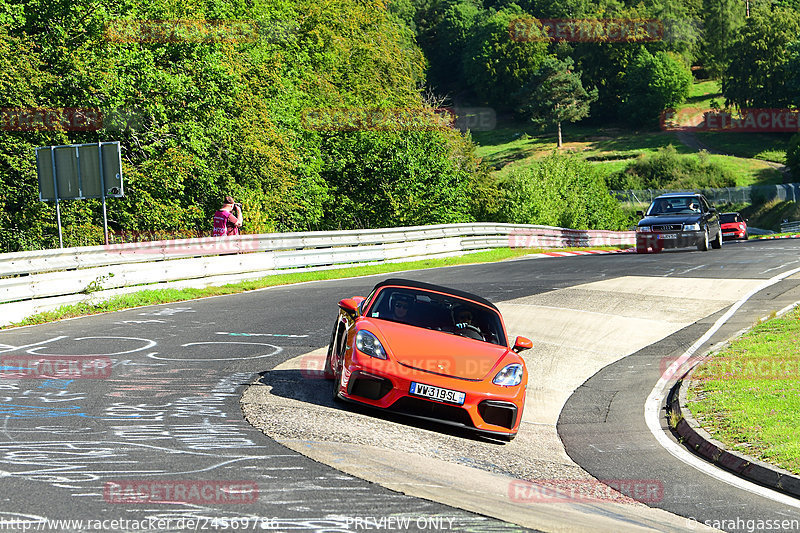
x=678 y=194
x=438 y=288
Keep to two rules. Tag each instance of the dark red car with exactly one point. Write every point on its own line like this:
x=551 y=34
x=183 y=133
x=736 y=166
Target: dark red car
x=734 y=226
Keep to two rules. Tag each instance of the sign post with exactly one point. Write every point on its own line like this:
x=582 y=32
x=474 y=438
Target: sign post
x=77 y=172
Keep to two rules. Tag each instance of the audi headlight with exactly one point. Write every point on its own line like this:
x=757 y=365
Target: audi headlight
x=510 y=376
x=691 y=227
x=369 y=344
x=643 y=229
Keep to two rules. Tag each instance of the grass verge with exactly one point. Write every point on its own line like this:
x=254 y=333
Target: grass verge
x=748 y=395
x=160 y=296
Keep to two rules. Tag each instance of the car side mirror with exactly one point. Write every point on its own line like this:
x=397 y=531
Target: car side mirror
x=349 y=305
x=522 y=343
x=640 y=214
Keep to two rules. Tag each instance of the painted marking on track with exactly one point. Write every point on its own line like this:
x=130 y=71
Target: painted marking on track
x=147 y=344
x=169 y=311
x=656 y=399
x=262 y=335
x=276 y=351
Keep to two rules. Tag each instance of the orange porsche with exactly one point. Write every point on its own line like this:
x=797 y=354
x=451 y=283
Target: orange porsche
x=430 y=352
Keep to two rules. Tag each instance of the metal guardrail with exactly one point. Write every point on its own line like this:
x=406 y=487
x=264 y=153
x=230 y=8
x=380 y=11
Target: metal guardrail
x=788 y=227
x=730 y=195
x=37 y=280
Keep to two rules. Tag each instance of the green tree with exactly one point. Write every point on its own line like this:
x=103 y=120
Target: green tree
x=654 y=82
x=758 y=71
x=497 y=65
x=382 y=179
x=556 y=95
x=721 y=21
x=445 y=45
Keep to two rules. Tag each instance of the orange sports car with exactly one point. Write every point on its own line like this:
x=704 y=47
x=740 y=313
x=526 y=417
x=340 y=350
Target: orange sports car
x=430 y=352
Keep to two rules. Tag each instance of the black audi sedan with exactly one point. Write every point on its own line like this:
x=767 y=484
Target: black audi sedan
x=678 y=220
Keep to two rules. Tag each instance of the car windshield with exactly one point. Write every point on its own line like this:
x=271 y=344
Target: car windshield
x=674 y=205
x=440 y=312
x=727 y=218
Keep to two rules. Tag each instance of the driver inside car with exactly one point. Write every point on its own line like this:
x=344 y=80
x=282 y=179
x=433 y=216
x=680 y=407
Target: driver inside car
x=400 y=304
x=463 y=319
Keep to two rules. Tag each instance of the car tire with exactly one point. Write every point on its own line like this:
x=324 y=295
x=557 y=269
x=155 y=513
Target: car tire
x=717 y=243
x=337 y=362
x=328 y=368
x=337 y=382
x=703 y=244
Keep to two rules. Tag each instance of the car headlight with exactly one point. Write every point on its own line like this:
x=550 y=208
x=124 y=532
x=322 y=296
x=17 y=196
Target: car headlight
x=510 y=376
x=369 y=344
x=643 y=229
x=691 y=227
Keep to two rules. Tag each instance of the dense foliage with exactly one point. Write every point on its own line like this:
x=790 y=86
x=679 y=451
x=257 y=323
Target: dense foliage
x=198 y=119
x=562 y=191
x=275 y=102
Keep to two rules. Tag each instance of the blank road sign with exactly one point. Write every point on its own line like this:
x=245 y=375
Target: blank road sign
x=81 y=170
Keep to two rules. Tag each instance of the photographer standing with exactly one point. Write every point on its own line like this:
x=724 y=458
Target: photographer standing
x=225 y=222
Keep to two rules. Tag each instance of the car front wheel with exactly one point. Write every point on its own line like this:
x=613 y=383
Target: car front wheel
x=717 y=243
x=703 y=244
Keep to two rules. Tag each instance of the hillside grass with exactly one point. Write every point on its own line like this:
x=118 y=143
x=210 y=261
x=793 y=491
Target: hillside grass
x=517 y=145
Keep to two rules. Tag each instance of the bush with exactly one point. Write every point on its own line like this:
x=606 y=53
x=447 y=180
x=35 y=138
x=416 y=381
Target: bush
x=562 y=191
x=666 y=169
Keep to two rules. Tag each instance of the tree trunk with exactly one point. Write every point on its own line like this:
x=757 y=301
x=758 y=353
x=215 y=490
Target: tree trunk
x=559 y=134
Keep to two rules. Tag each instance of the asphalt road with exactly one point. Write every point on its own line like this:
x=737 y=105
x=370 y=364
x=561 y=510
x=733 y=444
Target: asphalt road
x=167 y=417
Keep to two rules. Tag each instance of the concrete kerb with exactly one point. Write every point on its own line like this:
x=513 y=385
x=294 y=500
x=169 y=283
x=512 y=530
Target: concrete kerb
x=700 y=442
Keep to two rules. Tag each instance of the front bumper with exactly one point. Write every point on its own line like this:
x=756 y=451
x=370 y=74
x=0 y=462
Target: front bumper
x=729 y=234
x=678 y=239
x=487 y=408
